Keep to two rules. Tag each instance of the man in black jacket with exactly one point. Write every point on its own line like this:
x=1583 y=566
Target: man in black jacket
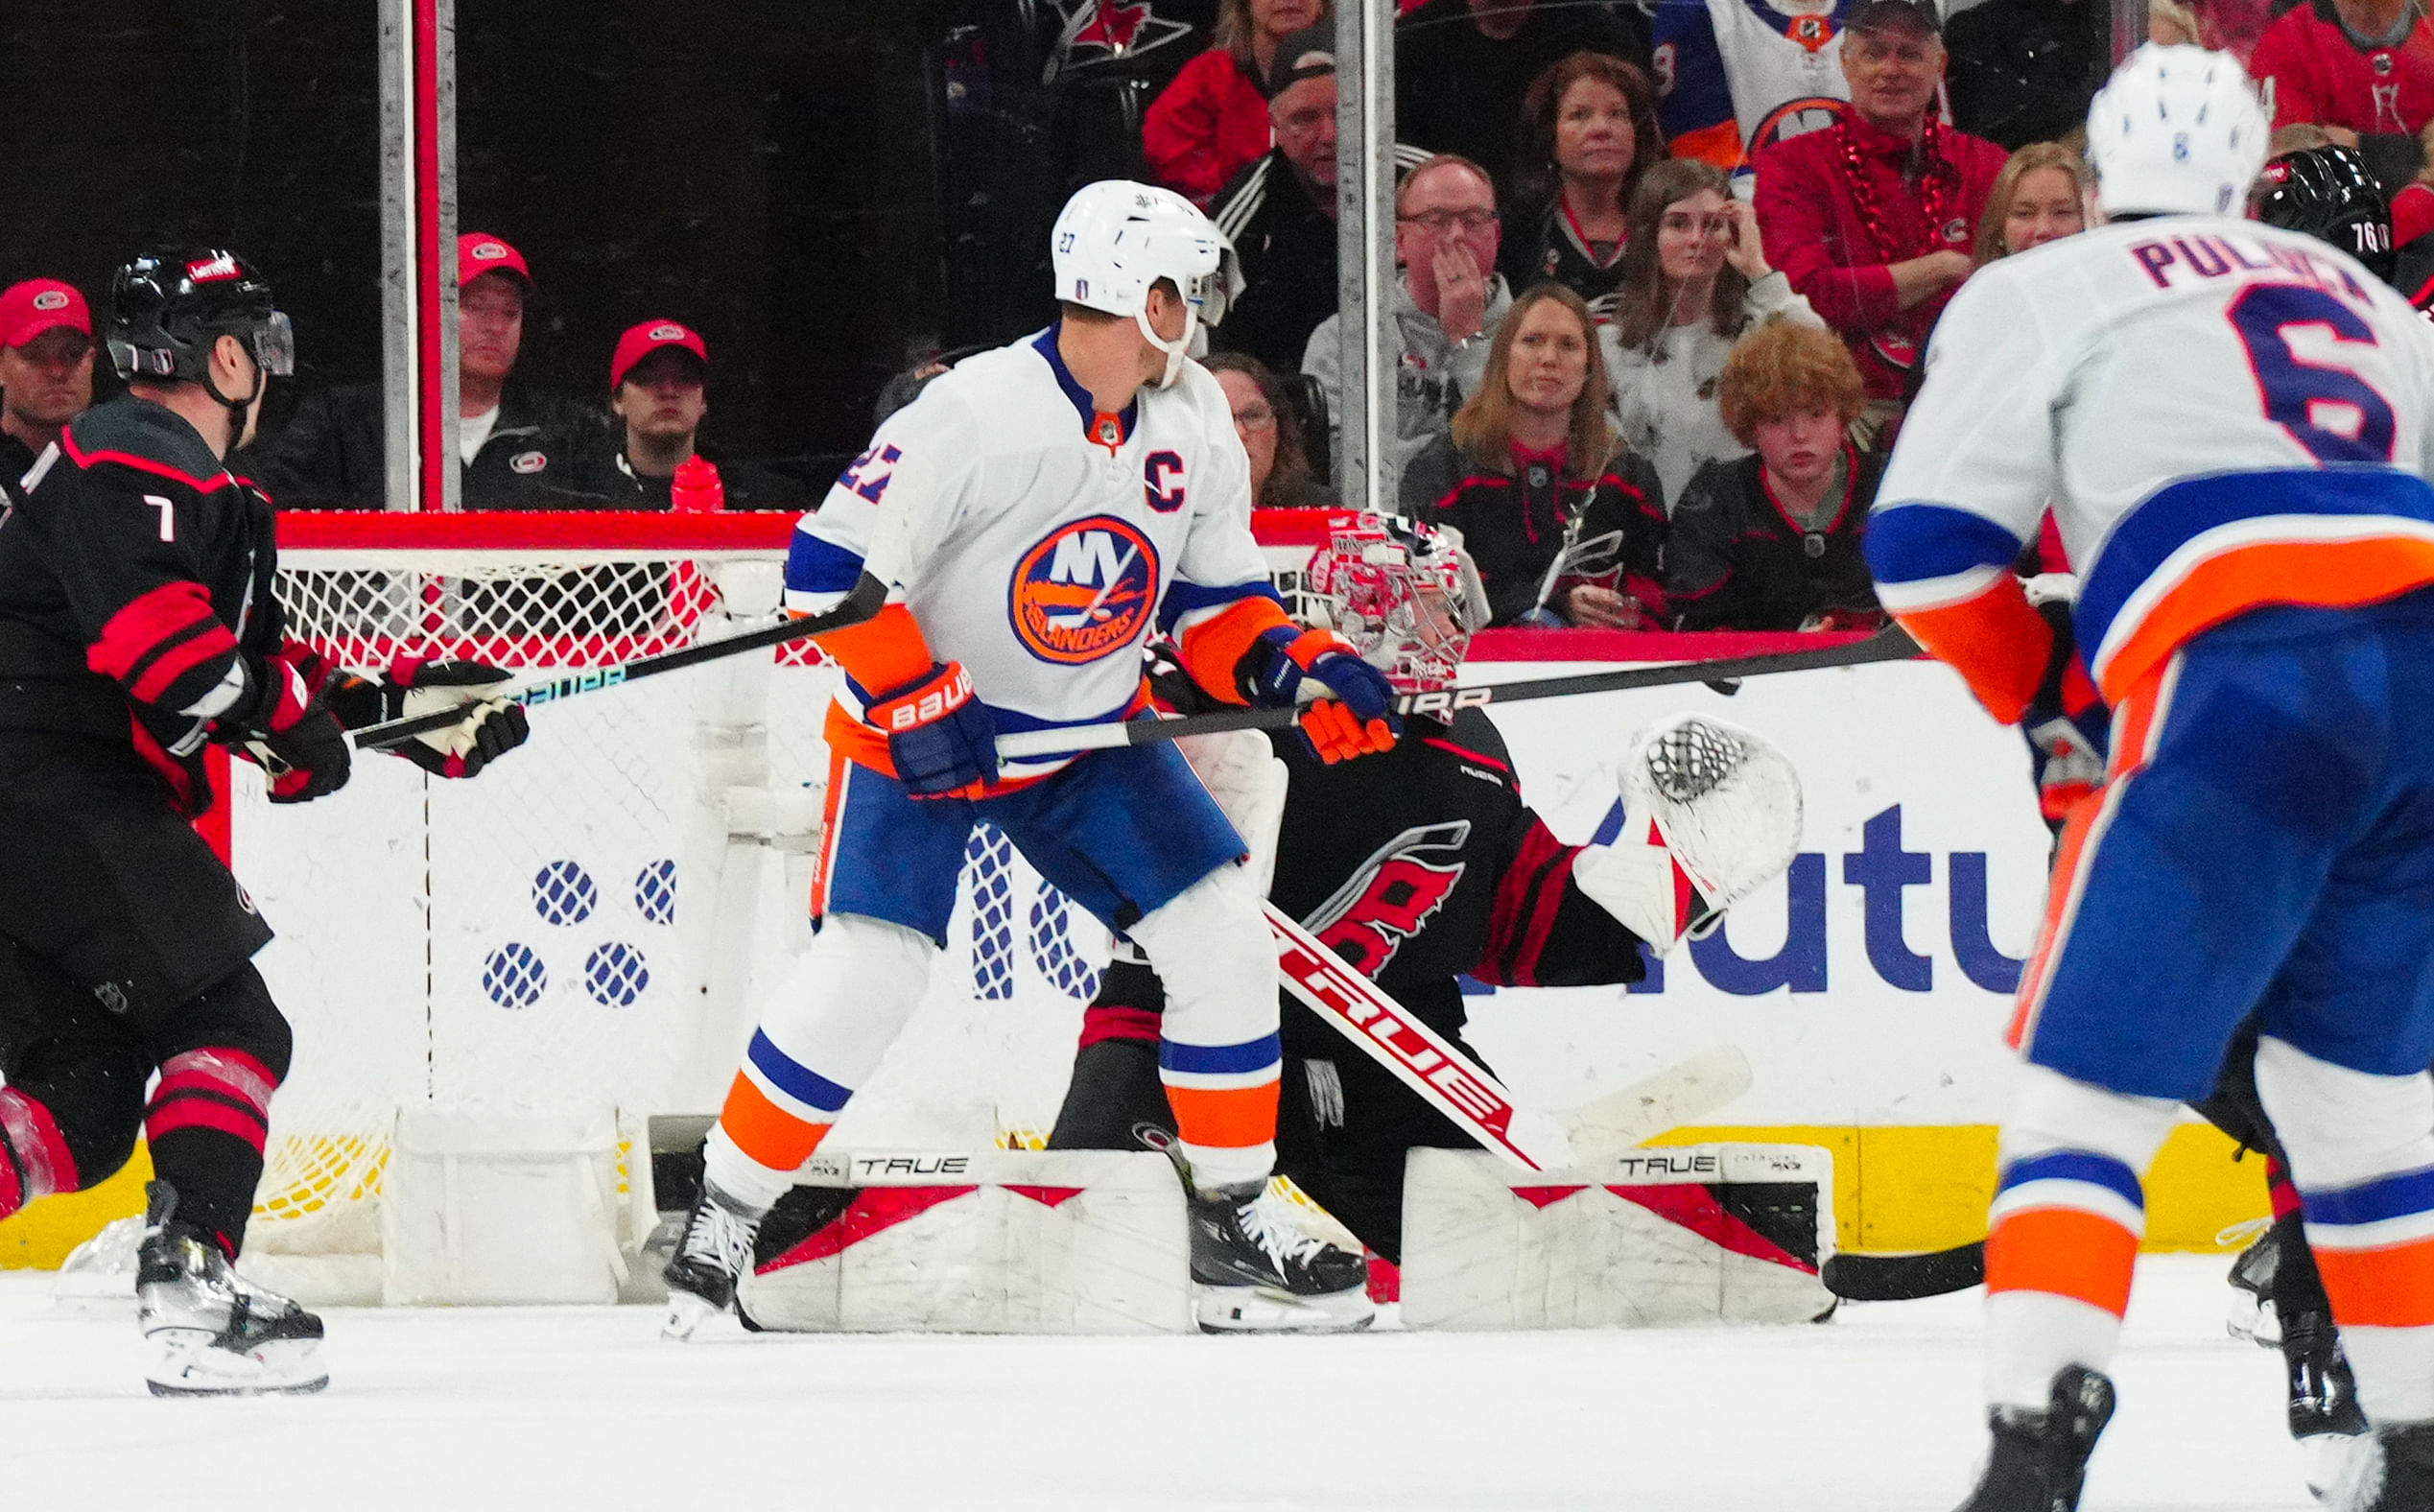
x=46 y=371
x=521 y=448
x=658 y=383
x=138 y=624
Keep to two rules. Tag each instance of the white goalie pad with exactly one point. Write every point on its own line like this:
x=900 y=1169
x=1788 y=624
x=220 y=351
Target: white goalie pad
x=1727 y=804
x=1696 y=1234
x=510 y=1209
x=1241 y=771
x=1066 y=1241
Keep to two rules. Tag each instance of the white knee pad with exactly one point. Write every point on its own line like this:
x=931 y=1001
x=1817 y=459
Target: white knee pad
x=2050 y=1111
x=2339 y=1127
x=848 y=996
x=1212 y=951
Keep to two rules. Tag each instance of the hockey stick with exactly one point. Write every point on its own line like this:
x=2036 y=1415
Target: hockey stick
x=1605 y=1129
x=1904 y=1278
x=866 y=600
x=1890 y=643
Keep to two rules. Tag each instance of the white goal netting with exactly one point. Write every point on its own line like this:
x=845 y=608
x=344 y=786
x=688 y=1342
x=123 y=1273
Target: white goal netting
x=588 y=924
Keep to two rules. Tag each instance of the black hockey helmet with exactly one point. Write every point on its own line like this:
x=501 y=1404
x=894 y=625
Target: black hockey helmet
x=166 y=309
x=2329 y=193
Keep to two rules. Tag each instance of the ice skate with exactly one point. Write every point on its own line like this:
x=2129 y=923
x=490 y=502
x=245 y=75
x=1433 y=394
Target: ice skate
x=2324 y=1417
x=2395 y=1472
x=1258 y=1273
x=2253 y=1315
x=710 y=1260
x=211 y=1331
x=2039 y=1459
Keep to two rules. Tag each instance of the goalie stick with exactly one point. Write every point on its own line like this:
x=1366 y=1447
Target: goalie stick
x=1465 y=1091
x=1890 y=643
x=1905 y=1278
x=866 y=600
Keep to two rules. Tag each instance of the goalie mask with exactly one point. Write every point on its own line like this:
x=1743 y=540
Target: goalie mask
x=1404 y=596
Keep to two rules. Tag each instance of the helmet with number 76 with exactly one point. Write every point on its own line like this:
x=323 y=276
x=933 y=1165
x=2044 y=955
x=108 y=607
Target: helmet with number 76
x=2177 y=131
x=1115 y=240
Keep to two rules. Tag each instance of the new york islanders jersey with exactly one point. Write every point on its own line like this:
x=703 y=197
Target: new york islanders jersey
x=1735 y=76
x=2223 y=416
x=1035 y=540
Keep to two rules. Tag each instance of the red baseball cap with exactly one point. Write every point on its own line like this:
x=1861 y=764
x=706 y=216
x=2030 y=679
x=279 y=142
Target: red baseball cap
x=479 y=252
x=650 y=336
x=35 y=306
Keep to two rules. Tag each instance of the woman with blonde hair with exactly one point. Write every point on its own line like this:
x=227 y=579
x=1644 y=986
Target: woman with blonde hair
x=1564 y=523
x=2040 y=196
x=1211 y=123
x=1771 y=541
x=1694 y=280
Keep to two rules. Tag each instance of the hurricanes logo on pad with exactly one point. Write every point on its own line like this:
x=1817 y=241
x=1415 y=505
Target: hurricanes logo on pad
x=1085 y=590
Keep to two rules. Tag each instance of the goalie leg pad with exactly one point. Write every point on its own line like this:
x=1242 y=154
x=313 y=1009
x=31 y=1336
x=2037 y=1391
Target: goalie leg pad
x=821 y=1035
x=1220 y=1055
x=1693 y=1234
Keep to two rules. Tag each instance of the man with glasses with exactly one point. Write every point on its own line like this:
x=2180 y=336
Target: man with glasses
x=1447 y=305
x=1279 y=212
x=46 y=371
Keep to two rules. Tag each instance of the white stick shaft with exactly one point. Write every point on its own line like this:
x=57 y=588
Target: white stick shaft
x=1418 y=1056
x=1673 y=1097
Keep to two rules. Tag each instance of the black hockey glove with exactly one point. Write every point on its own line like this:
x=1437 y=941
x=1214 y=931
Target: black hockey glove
x=291 y=735
x=2067 y=727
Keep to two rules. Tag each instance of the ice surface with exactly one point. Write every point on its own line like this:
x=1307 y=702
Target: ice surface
x=549 y=1409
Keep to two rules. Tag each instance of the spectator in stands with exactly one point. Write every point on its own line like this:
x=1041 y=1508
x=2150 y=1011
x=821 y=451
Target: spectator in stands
x=1771 y=542
x=1279 y=212
x=1212 y=122
x=1565 y=525
x=2023 y=70
x=1271 y=432
x=46 y=371
x=1463 y=66
x=1871 y=218
x=1446 y=304
x=2359 y=68
x=1588 y=130
x=1740 y=76
x=2040 y=196
x=520 y=448
x=656 y=381
x=1695 y=279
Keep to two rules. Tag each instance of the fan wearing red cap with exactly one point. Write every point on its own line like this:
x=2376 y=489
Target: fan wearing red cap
x=656 y=380
x=46 y=369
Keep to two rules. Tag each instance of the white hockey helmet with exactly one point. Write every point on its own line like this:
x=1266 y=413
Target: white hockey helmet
x=1115 y=239
x=2177 y=131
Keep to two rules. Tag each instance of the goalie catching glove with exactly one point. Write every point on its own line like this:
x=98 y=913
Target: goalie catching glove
x=491 y=726
x=1722 y=815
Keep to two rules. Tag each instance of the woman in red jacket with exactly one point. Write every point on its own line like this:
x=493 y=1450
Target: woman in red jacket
x=1212 y=122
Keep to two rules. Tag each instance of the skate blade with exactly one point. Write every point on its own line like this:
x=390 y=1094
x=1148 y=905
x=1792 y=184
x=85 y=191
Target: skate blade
x=686 y=1314
x=1254 y=1310
x=2327 y=1456
x=277 y=1369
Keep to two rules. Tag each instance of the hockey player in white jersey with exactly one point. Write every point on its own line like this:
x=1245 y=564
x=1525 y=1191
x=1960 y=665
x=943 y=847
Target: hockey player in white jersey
x=1037 y=514
x=2231 y=422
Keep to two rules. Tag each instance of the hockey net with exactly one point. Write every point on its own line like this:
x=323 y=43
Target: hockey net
x=589 y=925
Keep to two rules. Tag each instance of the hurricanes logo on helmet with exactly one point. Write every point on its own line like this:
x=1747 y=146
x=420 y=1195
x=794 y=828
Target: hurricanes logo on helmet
x=1087 y=589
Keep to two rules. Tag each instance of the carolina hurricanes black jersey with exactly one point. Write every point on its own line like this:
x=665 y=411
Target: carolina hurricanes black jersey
x=136 y=583
x=1423 y=863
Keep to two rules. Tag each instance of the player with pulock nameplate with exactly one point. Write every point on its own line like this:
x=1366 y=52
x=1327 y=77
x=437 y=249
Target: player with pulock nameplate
x=139 y=624
x=2231 y=422
x=1037 y=514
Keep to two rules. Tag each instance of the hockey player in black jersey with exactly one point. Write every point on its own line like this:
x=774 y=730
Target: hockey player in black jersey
x=138 y=624
x=1422 y=866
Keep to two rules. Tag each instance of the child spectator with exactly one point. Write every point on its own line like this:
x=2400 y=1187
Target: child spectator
x=1588 y=130
x=1272 y=434
x=1771 y=542
x=1212 y=122
x=1694 y=280
x=1565 y=525
x=2040 y=196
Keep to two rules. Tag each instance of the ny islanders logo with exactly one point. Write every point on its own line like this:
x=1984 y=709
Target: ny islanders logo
x=1086 y=590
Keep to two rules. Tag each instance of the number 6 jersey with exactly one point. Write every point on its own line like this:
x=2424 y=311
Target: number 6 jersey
x=2221 y=414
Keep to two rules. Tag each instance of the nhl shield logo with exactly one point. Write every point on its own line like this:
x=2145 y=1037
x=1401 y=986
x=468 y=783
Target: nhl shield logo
x=1086 y=590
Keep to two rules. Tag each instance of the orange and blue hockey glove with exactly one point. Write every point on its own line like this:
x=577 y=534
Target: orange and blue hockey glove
x=1358 y=721
x=941 y=736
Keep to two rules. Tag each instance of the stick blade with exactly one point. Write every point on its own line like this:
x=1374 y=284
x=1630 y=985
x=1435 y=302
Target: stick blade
x=1904 y=1277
